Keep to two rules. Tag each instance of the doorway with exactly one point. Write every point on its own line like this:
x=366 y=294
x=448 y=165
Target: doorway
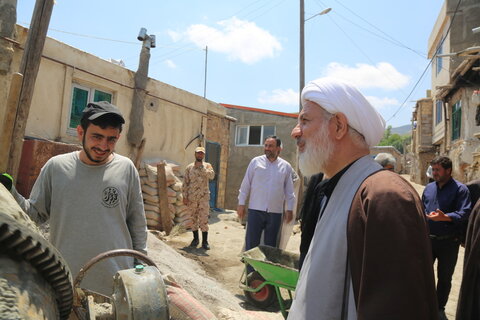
x=213 y=157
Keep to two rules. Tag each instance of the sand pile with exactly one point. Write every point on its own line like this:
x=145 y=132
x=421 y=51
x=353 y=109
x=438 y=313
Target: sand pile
x=190 y=275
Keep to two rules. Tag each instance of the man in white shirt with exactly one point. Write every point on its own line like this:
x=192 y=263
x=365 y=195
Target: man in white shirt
x=268 y=181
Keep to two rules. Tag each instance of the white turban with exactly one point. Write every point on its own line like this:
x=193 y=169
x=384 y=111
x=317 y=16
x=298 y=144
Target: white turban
x=337 y=96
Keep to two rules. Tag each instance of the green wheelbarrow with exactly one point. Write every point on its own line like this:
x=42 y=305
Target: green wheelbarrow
x=274 y=269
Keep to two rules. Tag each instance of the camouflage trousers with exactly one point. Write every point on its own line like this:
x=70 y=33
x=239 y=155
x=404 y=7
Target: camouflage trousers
x=199 y=211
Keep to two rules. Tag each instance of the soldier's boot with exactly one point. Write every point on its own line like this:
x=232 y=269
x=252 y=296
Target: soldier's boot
x=205 y=244
x=195 y=241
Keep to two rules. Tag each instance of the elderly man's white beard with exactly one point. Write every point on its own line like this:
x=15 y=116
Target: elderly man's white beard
x=317 y=152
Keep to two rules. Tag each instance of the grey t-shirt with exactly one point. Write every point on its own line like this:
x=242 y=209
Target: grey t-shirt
x=91 y=209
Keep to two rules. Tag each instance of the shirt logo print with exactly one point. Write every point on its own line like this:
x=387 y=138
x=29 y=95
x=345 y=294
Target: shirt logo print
x=110 y=197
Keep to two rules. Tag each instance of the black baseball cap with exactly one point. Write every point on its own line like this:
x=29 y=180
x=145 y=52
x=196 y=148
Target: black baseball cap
x=98 y=109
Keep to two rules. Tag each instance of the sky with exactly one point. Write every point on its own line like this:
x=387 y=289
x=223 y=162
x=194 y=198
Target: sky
x=253 y=46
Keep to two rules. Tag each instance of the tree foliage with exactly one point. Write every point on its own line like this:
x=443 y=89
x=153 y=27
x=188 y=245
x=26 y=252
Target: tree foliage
x=395 y=140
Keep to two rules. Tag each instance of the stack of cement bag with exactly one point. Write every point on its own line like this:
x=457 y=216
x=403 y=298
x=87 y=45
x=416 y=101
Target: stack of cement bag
x=177 y=211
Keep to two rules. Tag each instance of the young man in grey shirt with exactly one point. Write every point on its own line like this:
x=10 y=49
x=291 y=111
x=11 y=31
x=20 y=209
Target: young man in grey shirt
x=92 y=199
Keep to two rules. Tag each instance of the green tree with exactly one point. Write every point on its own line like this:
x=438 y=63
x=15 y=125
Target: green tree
x=394 y=139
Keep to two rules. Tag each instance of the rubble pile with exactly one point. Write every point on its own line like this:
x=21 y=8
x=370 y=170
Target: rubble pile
x=176 y=209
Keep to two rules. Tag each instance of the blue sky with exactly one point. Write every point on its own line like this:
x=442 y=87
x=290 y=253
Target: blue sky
x=253 y=45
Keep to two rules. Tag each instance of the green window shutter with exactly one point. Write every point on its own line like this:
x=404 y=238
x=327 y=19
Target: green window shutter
x=79 y=102
x=456 y=120
x=102 y=96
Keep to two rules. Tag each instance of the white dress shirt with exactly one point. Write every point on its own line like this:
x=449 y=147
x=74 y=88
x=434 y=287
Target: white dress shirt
x=269 y=185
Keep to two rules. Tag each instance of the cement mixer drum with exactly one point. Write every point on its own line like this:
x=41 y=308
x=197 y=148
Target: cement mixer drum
x=140 y=293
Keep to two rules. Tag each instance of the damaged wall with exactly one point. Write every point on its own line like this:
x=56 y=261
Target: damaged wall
x=462 y=150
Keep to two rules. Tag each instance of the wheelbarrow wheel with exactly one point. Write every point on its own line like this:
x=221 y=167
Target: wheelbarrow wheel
x=263 y=298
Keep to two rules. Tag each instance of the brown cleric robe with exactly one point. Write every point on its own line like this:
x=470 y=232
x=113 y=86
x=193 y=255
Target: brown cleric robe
x=468 y=306
x=389 y=251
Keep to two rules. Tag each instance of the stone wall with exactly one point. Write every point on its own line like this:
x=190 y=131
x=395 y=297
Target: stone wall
x=422 y=149
x=462 y=150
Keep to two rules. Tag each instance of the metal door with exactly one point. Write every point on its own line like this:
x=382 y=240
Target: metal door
x=213 y=157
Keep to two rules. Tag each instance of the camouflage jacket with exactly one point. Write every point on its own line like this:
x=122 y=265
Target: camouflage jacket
x=195 y=182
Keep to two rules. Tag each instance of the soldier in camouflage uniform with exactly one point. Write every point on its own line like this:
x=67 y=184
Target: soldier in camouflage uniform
x=196 y=195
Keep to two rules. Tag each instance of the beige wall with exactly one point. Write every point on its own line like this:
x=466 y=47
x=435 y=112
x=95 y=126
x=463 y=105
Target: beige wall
x=172 y=116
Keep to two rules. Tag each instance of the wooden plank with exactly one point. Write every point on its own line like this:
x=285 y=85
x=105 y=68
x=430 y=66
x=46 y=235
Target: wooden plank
x=163 y=199
x=9 y=120
x=29 y=68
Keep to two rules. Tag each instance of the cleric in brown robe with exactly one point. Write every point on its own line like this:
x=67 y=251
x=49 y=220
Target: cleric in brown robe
x=370 y=255
x=468 y=306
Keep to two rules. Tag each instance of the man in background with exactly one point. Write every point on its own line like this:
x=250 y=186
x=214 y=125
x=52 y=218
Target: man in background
x=196 y=195
x=447 y=207
x=268 y=182
x=386 y=160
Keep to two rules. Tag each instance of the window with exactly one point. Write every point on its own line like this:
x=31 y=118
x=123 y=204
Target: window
x=253 y=135
x=439 y=61
x=80 y=97
x=438 y=111
x=456 y=120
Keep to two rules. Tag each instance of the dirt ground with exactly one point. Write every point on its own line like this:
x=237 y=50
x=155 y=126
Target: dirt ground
x=223 y=261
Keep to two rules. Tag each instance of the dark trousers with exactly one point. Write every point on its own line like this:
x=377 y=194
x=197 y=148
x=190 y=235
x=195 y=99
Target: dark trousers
x=259 y=221
x=446 y=252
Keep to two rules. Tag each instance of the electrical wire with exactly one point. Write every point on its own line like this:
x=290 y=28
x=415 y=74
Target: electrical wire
x=257 y=9
x=27 y=25
x=179 y=50
x=383 y=32
x=268 y=10
x=429 y=63
x=363 y=52
x=388 y=37
x=245 y=8
x=267 y=5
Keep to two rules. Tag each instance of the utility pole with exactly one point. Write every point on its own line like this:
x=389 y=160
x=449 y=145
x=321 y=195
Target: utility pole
x=29 y=66
x=205 y=81
x=300 y=88
x=302 y=46
x=302 y=53
x=136 y=129
x=302 y=82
